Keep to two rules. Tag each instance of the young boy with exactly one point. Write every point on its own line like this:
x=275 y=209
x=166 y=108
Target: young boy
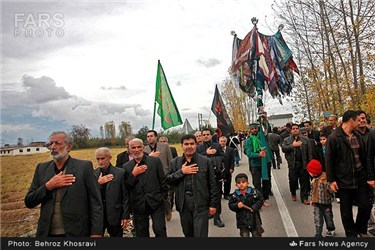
x=321 y=199
x=246 y=202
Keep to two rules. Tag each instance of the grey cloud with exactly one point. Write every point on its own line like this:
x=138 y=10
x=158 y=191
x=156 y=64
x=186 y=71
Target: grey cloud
x=211 y=62
x=43 y=89
x=46 y=102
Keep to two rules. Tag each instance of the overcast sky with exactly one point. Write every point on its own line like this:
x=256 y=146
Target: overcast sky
x=89 y=62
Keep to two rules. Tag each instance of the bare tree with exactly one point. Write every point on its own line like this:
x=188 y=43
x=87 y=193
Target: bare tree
x=80 y=135
x=125 y=129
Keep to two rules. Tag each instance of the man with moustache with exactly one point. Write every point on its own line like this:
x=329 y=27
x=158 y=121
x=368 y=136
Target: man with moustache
x=193 y=177
x=113 y=192
x=68 y=192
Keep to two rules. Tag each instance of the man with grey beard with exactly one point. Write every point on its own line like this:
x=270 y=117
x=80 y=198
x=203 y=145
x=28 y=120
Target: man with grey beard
x=68 y=192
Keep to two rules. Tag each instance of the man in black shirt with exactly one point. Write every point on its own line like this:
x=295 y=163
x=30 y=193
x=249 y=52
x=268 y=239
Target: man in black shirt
x=193 y=177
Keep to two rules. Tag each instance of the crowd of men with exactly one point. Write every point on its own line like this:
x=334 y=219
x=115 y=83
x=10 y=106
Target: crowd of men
x=148 y=180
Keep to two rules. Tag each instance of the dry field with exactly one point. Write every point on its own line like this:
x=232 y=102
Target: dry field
x=16 y=175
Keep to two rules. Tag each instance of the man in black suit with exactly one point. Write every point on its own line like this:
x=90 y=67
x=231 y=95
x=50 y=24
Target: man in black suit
x=145 y=180
x=113 y=192
x=193 y=177
x=228 y=165
x=124 y=157
x=215 y=153
x=68 y=192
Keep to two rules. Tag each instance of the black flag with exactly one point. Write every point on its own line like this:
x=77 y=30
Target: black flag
x=223 y=121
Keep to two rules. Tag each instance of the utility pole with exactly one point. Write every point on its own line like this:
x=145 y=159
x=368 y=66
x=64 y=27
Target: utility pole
x=200 y=122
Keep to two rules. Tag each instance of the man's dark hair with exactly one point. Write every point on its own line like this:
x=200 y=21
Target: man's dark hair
x=241 y=176
x=360 y=111
x=323 y=135
x=289 y=125
x=309 y=122
x=188 y=137
x=294 y=125
x=326 y=131
x=153 y=131
x=275 y=130
x=349 y=114
x=207 y=129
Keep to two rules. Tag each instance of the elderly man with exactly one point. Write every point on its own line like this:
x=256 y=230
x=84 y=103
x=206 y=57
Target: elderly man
x=145 y=180
x=68 y=192
x=125 y=156
x=113 y=192
x=198 y=136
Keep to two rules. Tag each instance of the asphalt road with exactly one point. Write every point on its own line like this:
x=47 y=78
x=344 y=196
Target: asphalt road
x=284 y=218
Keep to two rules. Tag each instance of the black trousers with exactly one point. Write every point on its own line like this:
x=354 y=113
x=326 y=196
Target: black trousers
x=142 y=222
x=262 y=185
x=227 y=182
x=301 y=176
x=361 y=196
x=219 y=187
x=193 y=223
x=113 y=230
x=278 y=158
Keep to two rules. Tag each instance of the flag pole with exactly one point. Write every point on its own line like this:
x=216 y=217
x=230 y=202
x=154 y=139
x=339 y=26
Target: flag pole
x=153 y=117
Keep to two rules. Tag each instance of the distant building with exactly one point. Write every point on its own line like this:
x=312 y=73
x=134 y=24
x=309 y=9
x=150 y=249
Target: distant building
x=280 y=120
x=38 y=144
x=23 y=150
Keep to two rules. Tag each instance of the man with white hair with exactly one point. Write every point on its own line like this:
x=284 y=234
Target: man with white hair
x=113 y=192
x=145 y=180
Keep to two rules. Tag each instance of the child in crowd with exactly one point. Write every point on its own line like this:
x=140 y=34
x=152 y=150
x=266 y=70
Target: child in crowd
x=321 y=199
x=246 y=202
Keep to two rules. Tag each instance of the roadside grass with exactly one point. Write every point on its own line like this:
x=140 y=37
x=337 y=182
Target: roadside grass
x=16 y=175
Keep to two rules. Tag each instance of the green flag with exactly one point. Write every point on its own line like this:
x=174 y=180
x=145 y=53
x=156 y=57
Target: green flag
x=167 y=109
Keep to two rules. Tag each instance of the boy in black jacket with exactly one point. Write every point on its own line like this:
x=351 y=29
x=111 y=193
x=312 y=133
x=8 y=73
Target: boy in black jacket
x=246 y=202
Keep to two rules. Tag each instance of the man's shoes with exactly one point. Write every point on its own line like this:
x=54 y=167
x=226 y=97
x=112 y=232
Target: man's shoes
x=168 y=216
x=330 y=233
x=278 y=166
x=266 y=204
x=294 y=198
x=306 y=202
x=219 y=223
x=226 y=197
x=271 y=193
